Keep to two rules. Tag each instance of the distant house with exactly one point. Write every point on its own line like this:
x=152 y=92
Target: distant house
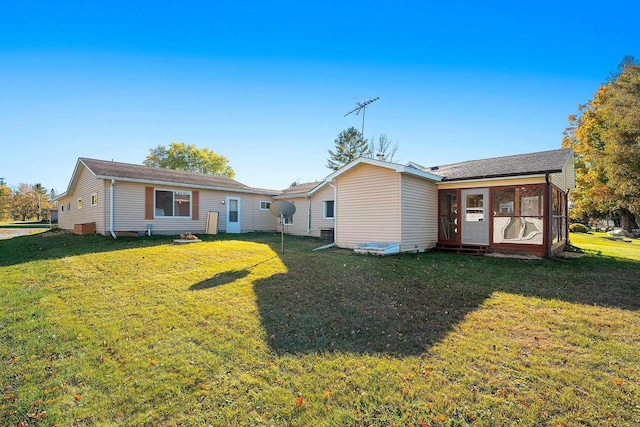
x=508 y=204
x=120 y=198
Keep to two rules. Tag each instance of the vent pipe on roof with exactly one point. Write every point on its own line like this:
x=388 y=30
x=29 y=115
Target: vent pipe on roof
x=380 y=156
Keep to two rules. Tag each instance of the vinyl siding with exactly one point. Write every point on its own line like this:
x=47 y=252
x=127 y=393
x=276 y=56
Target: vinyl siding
x=130 y=211
x=86 y=185
x=313 y=207
x=318 y=222
x=368 y=206
x=419 y=214
x=567 y=178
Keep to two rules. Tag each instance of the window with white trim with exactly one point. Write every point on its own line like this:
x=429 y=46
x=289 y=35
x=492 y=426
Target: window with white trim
x=288 y=220
x=94 y=199
x=328 y=209
x=172 y=203
x=79 y=203
x=265 y=205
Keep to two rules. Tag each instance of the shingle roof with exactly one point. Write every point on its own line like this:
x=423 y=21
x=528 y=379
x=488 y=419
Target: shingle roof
x=303 y=188
x=141 y=173
x=520 y=164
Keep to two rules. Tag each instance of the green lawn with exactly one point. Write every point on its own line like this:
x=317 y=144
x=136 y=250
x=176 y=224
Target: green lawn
x=138 y=331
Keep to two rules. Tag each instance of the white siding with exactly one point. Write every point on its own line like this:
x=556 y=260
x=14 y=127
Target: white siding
x=368 y=206
x=86 y=185
x=419 y=214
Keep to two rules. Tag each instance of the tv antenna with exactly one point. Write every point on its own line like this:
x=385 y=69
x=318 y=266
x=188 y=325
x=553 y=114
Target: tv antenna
x=362 y=106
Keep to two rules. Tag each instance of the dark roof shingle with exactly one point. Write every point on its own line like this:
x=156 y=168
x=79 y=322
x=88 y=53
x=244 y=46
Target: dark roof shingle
x=520 y=164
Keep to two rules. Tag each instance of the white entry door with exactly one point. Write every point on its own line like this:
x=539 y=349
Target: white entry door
x=475 y=216
x=233 y=214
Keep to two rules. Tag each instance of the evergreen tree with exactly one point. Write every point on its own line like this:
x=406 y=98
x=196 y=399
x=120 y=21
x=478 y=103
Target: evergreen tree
x=349 y=146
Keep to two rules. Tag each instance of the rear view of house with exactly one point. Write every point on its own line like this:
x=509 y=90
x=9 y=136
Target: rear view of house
x=115 y=198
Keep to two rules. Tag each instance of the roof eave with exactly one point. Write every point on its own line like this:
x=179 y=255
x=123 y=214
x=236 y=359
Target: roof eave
x=498 y=177
x=184 y=185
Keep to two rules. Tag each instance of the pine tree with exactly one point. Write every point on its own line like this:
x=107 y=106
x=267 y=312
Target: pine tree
x=349 y=146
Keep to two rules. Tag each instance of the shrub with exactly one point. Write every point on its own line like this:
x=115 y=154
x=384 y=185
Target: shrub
x=578 y=228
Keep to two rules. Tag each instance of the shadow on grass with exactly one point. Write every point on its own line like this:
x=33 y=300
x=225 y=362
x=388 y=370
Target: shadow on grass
x=220 y=279
x=58 y=244
x=403 y=305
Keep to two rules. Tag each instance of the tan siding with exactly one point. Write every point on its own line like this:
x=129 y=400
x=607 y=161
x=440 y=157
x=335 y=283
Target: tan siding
x=368 y=206
x=560 y=180
x=491 y=183
x=299 y=226
x=419 y=214
x=567 y=178
x=318 y=222
x=87 y=185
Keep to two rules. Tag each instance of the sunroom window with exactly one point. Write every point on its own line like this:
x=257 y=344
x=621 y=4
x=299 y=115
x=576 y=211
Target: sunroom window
x=518 y=215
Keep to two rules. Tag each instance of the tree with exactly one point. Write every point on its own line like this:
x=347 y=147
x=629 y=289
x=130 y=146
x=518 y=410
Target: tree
x=605 y=136
x=5 y=200
x=29 y=202
x=349 y=146
x=382 y=148
x=188 y=158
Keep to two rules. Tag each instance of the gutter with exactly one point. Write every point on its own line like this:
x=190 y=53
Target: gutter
x=111 y=227
x=308 y=215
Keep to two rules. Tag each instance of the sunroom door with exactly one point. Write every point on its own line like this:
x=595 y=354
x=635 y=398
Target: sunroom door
x=475 y=216
x=233 y=214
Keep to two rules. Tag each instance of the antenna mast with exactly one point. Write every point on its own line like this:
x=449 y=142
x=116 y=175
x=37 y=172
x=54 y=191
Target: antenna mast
x=362 y=106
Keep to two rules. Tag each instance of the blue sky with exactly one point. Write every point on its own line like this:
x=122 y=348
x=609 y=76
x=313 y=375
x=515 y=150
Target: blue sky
x=267 y=84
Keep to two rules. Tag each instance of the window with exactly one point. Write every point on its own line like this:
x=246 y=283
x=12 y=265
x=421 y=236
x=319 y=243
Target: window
x=62 y=208
x=79 y=203
x=288 y=220
x=448 y=215
x=265 y=205
x=518 y=215
x=328 y=207
x=173 y=203
x=94 y=199
x=559 y=216
x=68 y=207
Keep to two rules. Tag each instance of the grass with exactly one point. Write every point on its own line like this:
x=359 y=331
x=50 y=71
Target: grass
x=96 y=331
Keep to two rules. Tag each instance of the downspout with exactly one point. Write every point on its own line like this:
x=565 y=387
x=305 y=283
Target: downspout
x=335 y=211
x=308 y=214
x=547 y=218
x=565 y=223
x=113 y=233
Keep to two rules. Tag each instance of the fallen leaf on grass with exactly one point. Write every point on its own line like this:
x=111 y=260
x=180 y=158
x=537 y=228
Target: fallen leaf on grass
x=299 y=401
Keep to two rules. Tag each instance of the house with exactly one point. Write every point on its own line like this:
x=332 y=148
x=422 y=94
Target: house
x=507 y=204
x=120 y=198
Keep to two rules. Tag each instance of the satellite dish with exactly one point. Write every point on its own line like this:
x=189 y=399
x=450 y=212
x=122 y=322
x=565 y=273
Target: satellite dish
x=282 y=208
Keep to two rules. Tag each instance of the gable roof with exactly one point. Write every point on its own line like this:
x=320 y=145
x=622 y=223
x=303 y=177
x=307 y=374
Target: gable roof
x=552 y=161
x=146 y=174
x=411 y=170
